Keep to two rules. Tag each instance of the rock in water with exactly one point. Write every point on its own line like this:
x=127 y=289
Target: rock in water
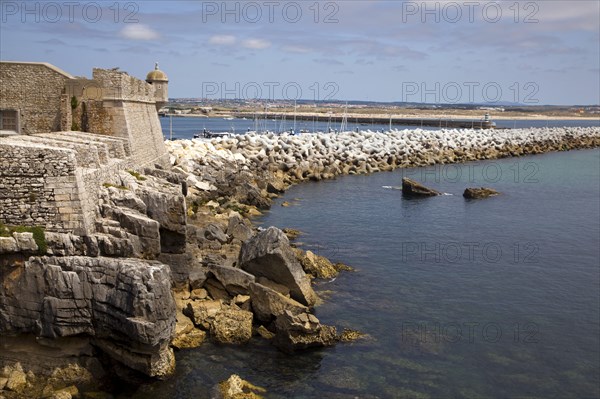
x=477 y=193
x=269 y=254
x=302 y=331
x=236 y=388
x=268 y=303
x=318 y=266
x=411 y=188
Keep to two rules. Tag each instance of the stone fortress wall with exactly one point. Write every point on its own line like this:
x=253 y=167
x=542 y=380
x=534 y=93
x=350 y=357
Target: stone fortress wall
x=52 y=170
x=34 y=90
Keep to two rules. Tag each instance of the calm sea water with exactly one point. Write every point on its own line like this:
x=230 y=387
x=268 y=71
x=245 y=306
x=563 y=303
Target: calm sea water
x=490 y=298
x=186 y=127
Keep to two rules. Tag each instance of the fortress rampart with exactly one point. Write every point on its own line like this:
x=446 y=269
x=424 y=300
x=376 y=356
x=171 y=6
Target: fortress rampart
x=64 y=137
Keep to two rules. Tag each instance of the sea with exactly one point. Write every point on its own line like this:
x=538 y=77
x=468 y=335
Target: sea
x=186 y=127
x=492 y=298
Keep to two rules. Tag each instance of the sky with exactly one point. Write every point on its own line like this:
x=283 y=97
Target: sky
x=497 y=52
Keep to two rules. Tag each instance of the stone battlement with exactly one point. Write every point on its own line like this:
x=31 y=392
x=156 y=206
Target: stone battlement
x=65 y=136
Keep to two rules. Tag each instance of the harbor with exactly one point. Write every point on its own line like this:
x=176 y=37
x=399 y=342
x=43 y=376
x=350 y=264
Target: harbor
x=336 y=119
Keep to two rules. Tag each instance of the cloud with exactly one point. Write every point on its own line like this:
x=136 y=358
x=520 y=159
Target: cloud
x=327 y=61
x=296 y=49
x=139 y=32
x=362 y=61
x=220 y=64
x=256 y=44
x=222 y=40
x=399 y=68
x=53 y=42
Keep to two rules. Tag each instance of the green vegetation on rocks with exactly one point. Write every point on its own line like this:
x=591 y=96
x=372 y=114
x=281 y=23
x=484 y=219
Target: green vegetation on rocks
x=39 y=235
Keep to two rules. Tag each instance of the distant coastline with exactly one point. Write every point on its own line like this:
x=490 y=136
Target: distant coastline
x=399 y=116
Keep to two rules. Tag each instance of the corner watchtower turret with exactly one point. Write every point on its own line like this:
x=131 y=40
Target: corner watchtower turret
x=160 y=81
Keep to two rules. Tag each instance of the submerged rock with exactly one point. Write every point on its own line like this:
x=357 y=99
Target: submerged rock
x=477 y=193
x=269 y=255
x=237 y=388
x=411 y=188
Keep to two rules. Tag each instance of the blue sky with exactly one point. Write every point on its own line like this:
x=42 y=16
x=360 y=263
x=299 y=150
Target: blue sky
x=533 y=52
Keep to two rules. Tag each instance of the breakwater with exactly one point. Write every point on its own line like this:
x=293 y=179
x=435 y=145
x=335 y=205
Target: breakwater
x=290 y=159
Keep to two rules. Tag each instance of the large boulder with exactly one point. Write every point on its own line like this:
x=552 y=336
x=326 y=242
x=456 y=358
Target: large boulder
x=227 y=324
x=302 y=331
x=411 y=188
x=237 y=228
x=478 y=193
x=232 y=326
x=268 y=303
x=269 y=255
x=234 y=280
x=203 y=313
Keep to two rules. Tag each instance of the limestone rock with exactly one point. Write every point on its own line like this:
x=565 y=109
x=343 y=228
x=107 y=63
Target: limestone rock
x=411 y=188
x=282 y=289
x=268 y=303
x=203 y=313
x=216 y=290
x=148 y=230
x=64 y=244
x=302 y=331
x=16 y=378
x=25 y=242
x=198 y=293
x=127 y=199
x=214 y=233
x=237 y=388
x=318 y=266
x=232 y=326
x=189 y=340
x=238 y=229
x=125 y=305
x=478 y=193
x=269 y=255
x=234 y=280
x=8 y=245
x=263 y=332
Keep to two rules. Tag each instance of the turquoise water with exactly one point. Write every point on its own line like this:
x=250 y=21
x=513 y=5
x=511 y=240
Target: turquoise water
x=489 y=298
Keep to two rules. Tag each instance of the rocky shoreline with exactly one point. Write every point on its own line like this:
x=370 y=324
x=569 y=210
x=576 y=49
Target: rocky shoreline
x=176 y=258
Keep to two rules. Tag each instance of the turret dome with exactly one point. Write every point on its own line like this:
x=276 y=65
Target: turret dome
x=156 y=75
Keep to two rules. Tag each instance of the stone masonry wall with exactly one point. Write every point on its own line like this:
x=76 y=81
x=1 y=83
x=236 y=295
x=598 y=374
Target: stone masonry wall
x=34 y=90
x=145 y=134
x=38 y=186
